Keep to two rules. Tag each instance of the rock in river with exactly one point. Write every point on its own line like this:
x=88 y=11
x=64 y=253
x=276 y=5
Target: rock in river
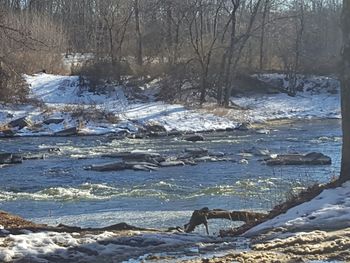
x=258 y=152
x=196 y=151
x=195 y=138
x=67 y=132
x=53 y=121
x=10 y=158
x=7 y=133
x=133 y=155
x=300 y=159
x=120 y=166
x=171 y=163
x=20 y=123
x=243 y=127
x=116 y=166
x=154 y=128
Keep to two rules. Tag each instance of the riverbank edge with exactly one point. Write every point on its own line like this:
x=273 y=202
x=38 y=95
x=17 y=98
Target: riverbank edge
x=260 y=251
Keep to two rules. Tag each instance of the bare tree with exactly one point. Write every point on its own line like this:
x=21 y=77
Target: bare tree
x=211 y=41
x=227 y=60
x=115 y=17
x=236 y=46
x=203 y=37
x=263 y=34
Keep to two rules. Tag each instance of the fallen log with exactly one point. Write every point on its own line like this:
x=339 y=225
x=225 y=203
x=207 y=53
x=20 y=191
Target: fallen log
x=202 y=216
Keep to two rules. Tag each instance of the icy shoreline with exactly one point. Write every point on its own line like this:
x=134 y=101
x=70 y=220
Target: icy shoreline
x=316 y=230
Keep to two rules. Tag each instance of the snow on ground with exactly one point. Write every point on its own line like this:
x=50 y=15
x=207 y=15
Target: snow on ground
x=103 y=247
x=67 y=97
x=319 y=98
x=329 y=210
x=64 y=98
x=63 y=95
x=281 y=106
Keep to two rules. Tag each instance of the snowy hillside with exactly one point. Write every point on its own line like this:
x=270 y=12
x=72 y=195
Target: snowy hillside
x=63 y=98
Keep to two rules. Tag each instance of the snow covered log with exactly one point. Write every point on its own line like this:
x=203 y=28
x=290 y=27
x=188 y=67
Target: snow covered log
x=203 y=215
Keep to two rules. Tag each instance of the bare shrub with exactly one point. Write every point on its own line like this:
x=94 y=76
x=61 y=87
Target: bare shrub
x=37 y=61
x=13 y=88
x=27 y=45
x=91 y=113
x=38 y=45
x=97 y=71
x=178 y=81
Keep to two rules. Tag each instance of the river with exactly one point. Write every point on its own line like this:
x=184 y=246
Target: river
x=59 y=190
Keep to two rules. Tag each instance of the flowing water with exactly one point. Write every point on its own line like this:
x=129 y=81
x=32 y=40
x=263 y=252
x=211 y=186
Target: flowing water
x=59 y=190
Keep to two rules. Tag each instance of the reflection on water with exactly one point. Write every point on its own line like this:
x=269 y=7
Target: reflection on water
x=59 y=187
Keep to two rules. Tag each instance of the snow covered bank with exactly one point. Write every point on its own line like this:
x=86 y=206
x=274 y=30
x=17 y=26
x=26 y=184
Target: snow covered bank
x=318 y=97
x=118 y=109
x=328 y=211
x=315 y=231
x=68 y=98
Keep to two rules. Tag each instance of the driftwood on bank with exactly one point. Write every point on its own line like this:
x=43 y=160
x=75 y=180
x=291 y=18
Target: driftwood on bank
x=202 y=216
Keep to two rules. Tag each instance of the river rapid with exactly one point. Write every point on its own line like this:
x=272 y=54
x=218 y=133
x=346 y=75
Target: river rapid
x=59 y=190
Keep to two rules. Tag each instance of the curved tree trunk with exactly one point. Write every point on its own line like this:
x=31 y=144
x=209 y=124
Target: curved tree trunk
x=345 y=93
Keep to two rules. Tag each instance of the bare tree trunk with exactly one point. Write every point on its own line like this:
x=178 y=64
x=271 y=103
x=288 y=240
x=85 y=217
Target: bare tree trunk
x=111 y=46
x=292 y=75
x=345 y=93
x=227 y=76
x=169 y=35
x=231 y=71
x=262 y=36
x=199 y=37
x=139 y=52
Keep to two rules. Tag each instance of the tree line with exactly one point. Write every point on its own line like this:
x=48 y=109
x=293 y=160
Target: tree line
x=205 y=43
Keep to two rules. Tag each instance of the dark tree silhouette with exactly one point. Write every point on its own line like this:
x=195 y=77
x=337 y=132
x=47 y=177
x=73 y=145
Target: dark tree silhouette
x=345 y=92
